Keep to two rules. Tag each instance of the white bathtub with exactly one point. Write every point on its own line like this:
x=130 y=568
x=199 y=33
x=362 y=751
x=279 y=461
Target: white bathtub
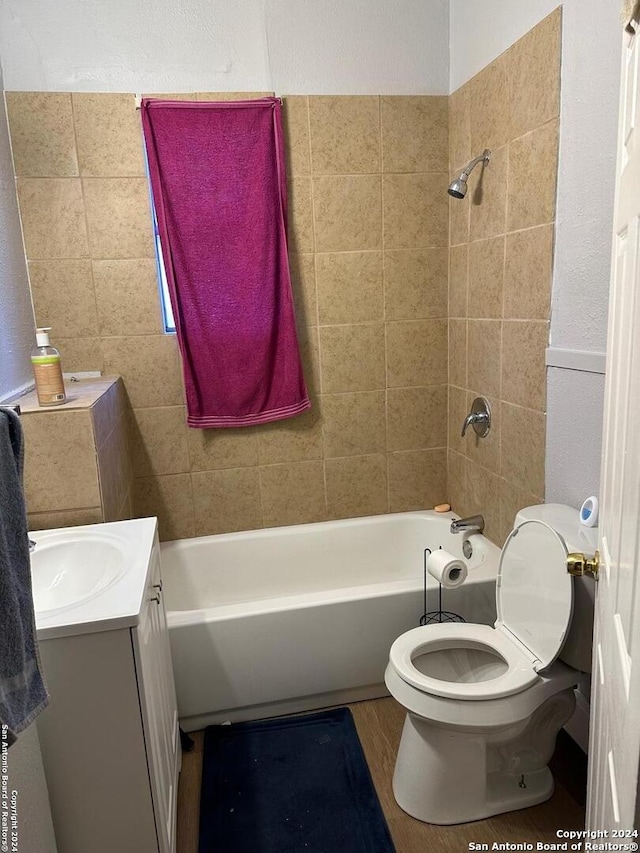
x=287 y=619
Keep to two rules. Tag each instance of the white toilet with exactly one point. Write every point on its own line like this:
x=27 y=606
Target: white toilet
x=484 y=704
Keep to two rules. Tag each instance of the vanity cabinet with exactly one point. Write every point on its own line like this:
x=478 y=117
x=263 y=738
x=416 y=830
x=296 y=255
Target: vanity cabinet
x=110 y=737
x=158 y=705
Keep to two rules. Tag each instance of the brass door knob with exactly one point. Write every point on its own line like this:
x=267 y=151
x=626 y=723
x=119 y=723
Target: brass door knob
x=580 y=565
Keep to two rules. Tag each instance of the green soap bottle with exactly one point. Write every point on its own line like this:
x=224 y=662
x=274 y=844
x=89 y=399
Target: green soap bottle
x=47 y=370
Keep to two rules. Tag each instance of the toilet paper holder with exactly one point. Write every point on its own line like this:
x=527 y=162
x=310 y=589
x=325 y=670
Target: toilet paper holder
x=434 y=617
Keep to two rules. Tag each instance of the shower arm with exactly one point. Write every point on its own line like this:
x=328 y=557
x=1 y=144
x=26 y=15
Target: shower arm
x=485 y=157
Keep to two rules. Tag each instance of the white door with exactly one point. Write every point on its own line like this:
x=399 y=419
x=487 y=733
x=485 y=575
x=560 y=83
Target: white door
x=614 y=748
x=159 y=708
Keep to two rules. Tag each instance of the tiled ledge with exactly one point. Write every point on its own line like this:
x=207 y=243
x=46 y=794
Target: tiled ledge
x=81 y=394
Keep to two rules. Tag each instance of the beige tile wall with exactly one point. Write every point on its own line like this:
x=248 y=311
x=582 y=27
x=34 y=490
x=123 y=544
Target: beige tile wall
x=369 y=254
x=501 y=250
x=393 y=357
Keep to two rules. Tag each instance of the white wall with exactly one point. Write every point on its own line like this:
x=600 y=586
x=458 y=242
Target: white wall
x=16 y=313
x=383 y=47
x=592 y=39
x=575 y=401
x=286 y=46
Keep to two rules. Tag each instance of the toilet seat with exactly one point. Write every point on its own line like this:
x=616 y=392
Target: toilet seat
x=518 y=672
x=534 y=599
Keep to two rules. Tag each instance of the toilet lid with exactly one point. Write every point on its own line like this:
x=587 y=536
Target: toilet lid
x=534 y=593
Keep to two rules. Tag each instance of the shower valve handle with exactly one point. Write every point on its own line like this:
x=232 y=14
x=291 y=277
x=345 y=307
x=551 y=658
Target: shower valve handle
x=479 y=418
x=475 y=418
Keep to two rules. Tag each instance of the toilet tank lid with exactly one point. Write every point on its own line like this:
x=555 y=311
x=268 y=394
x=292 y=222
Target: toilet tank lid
x=565 y=520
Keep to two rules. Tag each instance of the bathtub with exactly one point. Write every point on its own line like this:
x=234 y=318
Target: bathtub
x=288 y=619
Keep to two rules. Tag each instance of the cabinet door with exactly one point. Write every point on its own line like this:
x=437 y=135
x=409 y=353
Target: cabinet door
x=159 y=709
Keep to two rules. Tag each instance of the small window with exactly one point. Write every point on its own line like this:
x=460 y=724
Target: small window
x=165 y=300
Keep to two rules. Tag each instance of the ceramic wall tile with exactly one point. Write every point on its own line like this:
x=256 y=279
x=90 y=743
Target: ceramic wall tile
x=127 y=297
x=522 y=448
x=415 y=283
x=292 y=440
x=119 y=218
x=109 y=135
x=484 y=356
x=354 y=423
x=53 y=220
x=210 y=449
x=60 y=471
x=149 y=366
x=458 y=280
x=356 y=486
x=417 y=479
x=303 y=287
x=226 y=501
x=534 y=76
x=168 y=497
x=42 y=139
x=416 y=353
x=63 y=297
x=295 y=125
x=350 y=287
x=415 y=133
x=458 y=353
x=347 y=213
x=459 y=128
x=292 y=493
x=300 y=209
x=158 y=439
x=489 y=107
x=345 y=134
x=486 y=277
x=415 y=210
x=533 y=167
x=528 y=271
x=523 y=363
x=417 y=417
x=352 y=357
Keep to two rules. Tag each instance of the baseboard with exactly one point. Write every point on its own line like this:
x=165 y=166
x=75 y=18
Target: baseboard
x=288 y=706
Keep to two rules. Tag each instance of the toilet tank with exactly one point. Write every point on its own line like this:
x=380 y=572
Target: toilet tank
x=576 y=651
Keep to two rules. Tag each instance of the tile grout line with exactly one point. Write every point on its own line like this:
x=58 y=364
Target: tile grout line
x=85 y=217
x=384 y=312
x=318 y=336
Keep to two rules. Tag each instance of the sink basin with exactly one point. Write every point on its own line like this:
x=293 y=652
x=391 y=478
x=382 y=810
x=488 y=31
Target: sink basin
x=91 y=578
x=69 y=568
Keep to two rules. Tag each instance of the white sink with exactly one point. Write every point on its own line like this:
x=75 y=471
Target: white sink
x=90 y=578
x=69 y=567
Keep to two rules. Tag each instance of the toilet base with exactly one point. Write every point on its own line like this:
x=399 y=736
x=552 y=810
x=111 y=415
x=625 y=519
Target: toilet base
x=503 y=795
x=447 y=776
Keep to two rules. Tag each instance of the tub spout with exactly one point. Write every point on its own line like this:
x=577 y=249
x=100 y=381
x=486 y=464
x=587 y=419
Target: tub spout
x=472 y=524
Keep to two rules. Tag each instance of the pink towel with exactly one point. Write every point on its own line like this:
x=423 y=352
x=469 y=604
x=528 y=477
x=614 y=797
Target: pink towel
x=219 y=187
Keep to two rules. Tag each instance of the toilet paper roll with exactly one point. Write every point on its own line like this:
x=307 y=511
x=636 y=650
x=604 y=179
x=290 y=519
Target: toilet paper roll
x=446 y=569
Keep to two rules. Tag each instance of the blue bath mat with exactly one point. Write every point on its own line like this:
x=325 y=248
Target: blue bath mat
x=290 y=785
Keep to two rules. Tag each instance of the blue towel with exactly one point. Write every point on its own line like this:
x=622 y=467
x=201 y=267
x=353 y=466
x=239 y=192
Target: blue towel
x=23 y=693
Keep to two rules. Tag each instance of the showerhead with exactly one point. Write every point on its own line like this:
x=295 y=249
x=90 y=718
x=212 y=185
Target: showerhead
x=458 y=187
